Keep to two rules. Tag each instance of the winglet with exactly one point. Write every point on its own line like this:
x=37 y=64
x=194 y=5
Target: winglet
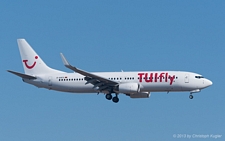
x=65 y=62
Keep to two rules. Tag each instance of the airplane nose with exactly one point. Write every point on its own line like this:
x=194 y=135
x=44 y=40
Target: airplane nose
x=208 y=83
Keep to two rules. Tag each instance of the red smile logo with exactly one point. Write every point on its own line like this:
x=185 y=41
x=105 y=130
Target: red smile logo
x=30 y=67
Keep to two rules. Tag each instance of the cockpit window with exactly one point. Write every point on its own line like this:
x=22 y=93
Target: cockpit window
x=199 y=77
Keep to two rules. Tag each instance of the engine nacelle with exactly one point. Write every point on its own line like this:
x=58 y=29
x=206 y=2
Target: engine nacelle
x=140 y=95
x=129 y=88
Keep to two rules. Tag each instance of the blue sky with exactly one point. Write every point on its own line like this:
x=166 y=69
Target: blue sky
x=110 y=36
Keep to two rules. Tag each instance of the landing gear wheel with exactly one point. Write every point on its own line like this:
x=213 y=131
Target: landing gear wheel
x=115 y=99
x=191 y=96
x=108 y=96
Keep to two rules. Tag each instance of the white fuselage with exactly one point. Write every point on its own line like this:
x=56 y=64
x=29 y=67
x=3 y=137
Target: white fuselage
x=150 y=81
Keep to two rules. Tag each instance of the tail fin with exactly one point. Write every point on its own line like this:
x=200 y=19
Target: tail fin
x=32 y=63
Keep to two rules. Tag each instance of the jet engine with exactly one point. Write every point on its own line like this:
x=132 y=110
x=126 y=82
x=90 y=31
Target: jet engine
x=129 y=88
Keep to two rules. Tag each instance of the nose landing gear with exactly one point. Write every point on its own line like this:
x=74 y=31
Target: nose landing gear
x=191 y=96
x=194 y=91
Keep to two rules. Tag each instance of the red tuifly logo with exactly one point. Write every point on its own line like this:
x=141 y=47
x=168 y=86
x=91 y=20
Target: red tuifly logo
x=164 y=76
x=30 y=67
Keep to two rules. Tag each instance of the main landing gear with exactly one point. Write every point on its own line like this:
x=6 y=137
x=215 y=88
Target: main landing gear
x=108 y=96
x=114 y=99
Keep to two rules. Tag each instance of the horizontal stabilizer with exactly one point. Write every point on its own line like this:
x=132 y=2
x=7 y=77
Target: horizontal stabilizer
x=22 y=75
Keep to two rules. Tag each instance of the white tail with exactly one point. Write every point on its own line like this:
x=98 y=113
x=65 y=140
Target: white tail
x=32 y=63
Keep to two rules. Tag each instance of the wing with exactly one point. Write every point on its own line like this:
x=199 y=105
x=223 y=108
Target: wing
x=103 y=84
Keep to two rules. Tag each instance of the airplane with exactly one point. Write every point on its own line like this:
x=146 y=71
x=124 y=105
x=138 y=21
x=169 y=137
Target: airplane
x=138 y=84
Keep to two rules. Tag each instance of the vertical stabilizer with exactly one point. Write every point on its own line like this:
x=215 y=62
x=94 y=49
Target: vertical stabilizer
x=32 y=62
